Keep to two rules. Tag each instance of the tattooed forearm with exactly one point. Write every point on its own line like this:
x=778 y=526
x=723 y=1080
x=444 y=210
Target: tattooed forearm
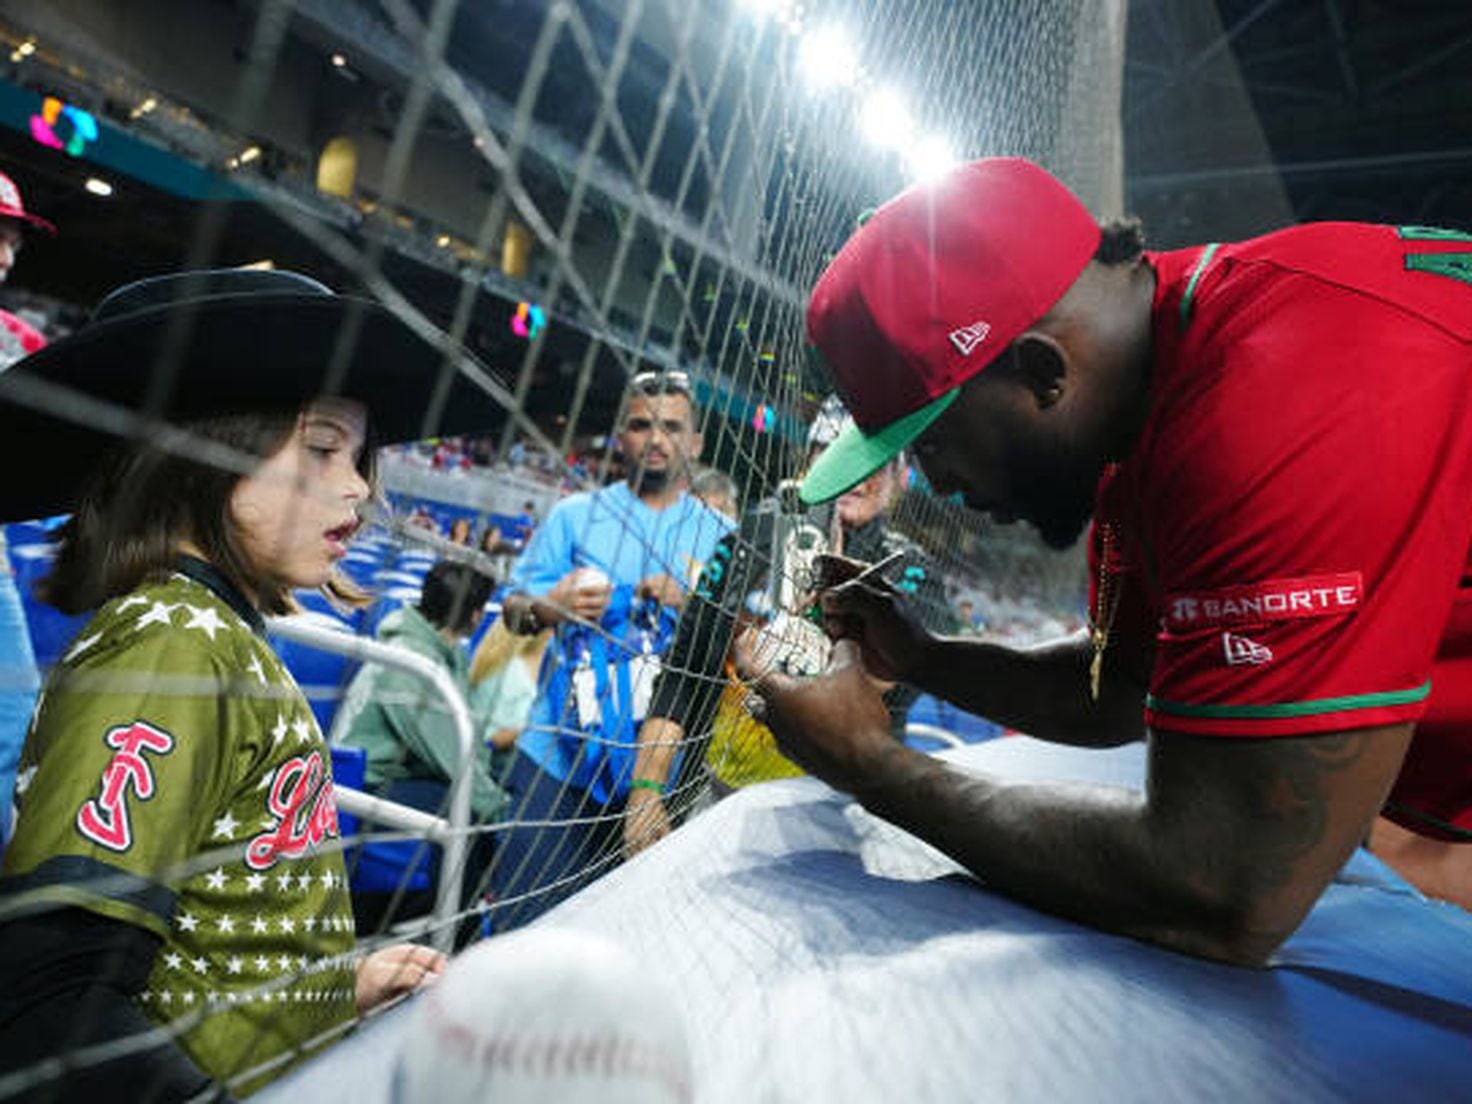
x=1294 y=800
x=1227 y=849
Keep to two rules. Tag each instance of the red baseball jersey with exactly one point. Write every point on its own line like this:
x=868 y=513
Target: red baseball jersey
x=1295 y=522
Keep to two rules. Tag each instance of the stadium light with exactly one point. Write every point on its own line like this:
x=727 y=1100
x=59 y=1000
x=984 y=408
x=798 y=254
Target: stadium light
x=98 y=187
x=885 y=120
x=828 y=58
x=930 y=157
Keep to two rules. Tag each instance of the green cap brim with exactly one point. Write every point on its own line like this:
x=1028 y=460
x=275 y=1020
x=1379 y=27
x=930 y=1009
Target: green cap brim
x=855 y=455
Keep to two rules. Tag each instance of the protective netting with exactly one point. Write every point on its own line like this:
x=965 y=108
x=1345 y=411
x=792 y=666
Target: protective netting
x=577 y=193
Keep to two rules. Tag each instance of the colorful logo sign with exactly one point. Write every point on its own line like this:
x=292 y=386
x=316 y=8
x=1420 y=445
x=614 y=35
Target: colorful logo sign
x=528 y=321
x=765 y=418
x=64 y=127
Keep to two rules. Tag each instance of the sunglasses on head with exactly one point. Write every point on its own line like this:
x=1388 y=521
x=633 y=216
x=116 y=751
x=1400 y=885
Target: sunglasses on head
x=661 y=383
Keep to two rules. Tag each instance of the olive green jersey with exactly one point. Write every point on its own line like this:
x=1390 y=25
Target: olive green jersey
x=174 y=778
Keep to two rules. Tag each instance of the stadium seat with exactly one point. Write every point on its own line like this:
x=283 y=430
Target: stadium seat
x=31 y=552
x=375 y=867
x=967 y=727
x=321 y=675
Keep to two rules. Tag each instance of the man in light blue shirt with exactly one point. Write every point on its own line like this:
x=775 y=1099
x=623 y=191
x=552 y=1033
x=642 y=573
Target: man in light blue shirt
x=610 y=570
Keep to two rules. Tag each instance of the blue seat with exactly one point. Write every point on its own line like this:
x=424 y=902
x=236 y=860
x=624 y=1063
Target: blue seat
x=317 y=602
x=376 y=867
x=52 y=632
x=322 y=676
x=968 y=727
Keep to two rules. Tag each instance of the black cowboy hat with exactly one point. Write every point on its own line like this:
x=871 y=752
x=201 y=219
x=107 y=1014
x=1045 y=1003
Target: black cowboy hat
x=179 y=347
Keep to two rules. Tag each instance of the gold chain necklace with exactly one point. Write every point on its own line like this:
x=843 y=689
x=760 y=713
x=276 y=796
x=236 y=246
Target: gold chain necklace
x=1106 y=604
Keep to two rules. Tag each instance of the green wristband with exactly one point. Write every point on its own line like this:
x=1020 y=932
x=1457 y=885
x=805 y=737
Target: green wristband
x=647 y=784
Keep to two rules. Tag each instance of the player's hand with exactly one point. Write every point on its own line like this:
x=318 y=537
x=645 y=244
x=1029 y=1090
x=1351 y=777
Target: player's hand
x=663 y=589
x=583 y=593
x=394 y=971
x=875 y=616
x=834 y=726
x=646 y=821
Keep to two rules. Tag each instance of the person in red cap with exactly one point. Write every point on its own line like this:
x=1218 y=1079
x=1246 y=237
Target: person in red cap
x=1271 y=441
x=19 y=679
x=18 y=338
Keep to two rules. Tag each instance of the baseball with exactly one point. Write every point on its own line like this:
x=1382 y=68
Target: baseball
x=544 y=1015
x=590 y=578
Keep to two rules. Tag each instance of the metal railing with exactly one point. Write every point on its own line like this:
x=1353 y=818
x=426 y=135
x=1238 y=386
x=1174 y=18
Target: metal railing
x=450 y=832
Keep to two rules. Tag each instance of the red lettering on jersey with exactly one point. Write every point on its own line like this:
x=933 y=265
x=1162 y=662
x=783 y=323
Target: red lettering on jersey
x=1260 y=603
x=303 y=809
x=104 y=820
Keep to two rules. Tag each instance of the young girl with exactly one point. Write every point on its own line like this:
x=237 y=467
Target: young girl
x=174 y=860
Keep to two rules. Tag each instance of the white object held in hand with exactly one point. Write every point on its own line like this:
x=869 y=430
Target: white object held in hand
x=590 y=578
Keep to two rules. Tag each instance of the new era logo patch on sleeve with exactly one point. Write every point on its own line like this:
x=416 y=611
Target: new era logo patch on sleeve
x=1242 y=650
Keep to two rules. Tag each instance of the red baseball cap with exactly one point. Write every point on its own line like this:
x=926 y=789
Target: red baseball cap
x=12 y=207
x=928 y=292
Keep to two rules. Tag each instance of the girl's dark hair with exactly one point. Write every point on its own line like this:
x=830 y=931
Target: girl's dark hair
x=1121 y=241
x=145 y=499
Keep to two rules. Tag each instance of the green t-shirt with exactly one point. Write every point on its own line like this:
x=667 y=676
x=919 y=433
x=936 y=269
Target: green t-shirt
x=174 y=778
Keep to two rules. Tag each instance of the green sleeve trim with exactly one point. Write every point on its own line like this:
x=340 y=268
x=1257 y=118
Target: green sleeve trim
x=1312 y=708
x=1196 y=273
x=96 y=886
x=1457 y=266
x=1432 y=233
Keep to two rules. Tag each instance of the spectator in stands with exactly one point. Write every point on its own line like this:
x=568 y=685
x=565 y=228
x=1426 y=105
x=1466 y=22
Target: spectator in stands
x=694 y=695
x=503 y=686
x=18 y=678
x=1271 y=439
x=502 y=552
x=18 y=338
x=408 y=732
x=516 y=455
x=422 y=517
x=492 y=543
x=718 y=491
x=609 y=569
x=401 y=721
x=482 y=451
x=449 y=456
x=460 y=531
x=524 y=525
x=970 y=623
x=173 y=864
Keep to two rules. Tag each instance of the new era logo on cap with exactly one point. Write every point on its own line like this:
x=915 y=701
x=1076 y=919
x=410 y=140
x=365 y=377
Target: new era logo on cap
x=9 y=193
x=967 y=338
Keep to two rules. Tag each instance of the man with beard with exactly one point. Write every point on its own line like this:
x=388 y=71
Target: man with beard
x=1271 y=440
x=609 y=570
